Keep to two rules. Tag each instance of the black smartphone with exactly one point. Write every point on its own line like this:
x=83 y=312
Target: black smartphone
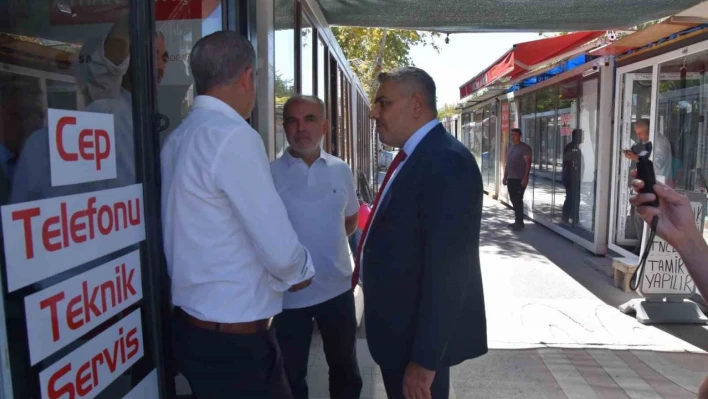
x=645 y=172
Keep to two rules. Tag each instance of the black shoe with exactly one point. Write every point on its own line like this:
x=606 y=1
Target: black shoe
x=518 y=227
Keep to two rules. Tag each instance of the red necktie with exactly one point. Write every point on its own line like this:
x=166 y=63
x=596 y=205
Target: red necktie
x=396 y=161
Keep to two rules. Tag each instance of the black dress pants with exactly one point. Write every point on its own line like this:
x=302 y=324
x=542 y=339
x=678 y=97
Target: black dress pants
x=336 y=320
x=220 y=365
x=516 y=195
x=393 y=382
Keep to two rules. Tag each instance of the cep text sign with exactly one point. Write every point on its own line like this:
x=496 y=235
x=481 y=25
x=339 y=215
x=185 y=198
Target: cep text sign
x=81 y=147
x=64 y=312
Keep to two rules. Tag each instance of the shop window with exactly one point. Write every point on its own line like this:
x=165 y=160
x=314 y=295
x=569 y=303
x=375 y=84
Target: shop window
x=322 y=56
x=588 y=118
x=284 y=67
x=527 y=124
x=680 y=139
x=567 y=161
x=67 y=152
x=307 y=49
x=545 y=160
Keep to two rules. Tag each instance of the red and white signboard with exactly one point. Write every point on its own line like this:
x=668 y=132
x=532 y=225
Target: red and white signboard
x=146 y=389
x=64 y=312
x=81 y=147
x=47 y=237
x=72 y=12
x=88 y=370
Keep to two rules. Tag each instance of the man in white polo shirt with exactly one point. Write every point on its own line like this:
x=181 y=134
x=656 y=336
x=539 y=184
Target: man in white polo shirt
x=319 y=194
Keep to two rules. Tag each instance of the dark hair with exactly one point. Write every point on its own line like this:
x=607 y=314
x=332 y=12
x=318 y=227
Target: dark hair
x=414 y=78
x=516 y=130
x=219 y=59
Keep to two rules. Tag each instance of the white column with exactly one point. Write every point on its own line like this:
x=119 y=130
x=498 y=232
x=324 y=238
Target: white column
x=265 y=54
x=604 y=158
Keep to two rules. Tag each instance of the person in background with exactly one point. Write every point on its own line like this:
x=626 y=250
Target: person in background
x=677 y=225
x=516 y=175
x=320 y=195
x=662 y=164
x=419 y=253
x=570 y=177
x=230 y=248
x=661 y=147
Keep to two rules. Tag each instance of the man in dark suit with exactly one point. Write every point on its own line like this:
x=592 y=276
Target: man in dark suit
x=419 y=255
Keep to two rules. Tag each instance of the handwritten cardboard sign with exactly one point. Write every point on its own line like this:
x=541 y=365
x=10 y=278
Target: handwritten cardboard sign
x=665 y=273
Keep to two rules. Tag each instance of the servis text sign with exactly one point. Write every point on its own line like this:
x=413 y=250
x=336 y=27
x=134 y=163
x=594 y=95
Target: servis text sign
x=50 y=236
x=81 y=146
x=87 y=371
x=64 y=312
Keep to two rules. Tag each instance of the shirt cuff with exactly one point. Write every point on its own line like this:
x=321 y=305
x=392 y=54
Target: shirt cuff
x=306 y=272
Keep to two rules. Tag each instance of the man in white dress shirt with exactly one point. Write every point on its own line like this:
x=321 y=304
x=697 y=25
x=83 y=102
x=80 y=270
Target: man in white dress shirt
x=231 y=251
x=319 y=194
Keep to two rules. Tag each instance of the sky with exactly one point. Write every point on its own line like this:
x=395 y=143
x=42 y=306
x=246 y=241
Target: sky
x=467 y=55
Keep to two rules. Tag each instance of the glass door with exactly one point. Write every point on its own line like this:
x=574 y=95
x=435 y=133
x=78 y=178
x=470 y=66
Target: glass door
x=635 y=111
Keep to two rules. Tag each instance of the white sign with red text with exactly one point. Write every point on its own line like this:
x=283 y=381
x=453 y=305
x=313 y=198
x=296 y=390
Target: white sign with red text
x=87 y=371
x=64 y=312
x=81 y=146
x=49 y=236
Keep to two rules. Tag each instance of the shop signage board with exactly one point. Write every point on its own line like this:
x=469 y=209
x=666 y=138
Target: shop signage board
x=60 y=314
x=665 y=273
x=50 y=236
x=88 y=370
x=81 y=147
x=505 y=117
x=77 y=12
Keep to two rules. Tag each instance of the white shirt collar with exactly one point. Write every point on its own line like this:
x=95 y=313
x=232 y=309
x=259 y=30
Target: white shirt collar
x=213 y=103
x=418 y=136
x=291 y=160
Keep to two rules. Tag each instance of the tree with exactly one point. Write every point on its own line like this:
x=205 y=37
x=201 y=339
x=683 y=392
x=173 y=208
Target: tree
x=447 y=110
x=370 y=50
x=284 y=89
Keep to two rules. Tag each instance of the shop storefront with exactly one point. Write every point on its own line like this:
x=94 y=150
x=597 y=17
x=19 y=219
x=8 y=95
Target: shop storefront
x=662 y=99
x=564 y=113
x=88 y=93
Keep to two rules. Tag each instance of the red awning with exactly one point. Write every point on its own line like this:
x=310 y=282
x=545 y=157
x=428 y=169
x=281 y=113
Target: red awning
x=527 y=56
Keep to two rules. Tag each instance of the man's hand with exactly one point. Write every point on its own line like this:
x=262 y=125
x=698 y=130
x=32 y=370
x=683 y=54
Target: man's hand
x=504 y=181
x=524 y=182
x=417 y=382
x=631 y=155
x=677 y=224
x=299 y=286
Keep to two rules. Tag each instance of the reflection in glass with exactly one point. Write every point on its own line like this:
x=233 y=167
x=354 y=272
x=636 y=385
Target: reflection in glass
x=587 y=123
x=307 y=46
x=528 y=134
x=544 y=164
x=322 y=55
x=467 y=129
x=568 y=158
x=680 y=144
x=491 y=148
x=284 y=67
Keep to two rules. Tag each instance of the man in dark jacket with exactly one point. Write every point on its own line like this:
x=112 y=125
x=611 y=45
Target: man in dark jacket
x=419 y=255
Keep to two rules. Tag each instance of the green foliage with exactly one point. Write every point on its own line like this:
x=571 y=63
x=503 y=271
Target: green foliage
x=447 y=110
x=362 y=47
x=284 y=89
